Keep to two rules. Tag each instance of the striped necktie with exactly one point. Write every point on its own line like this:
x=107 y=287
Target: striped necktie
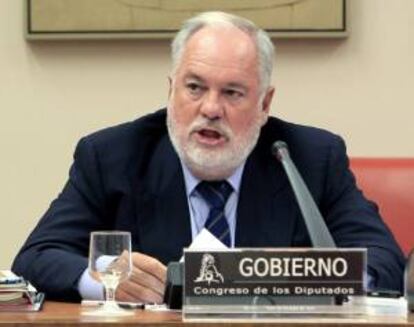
x=216 y=195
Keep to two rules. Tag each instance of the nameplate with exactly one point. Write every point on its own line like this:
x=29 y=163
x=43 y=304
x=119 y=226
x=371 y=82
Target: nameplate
x=274 y=272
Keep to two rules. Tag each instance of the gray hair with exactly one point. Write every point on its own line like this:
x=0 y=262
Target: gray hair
x=264 y=45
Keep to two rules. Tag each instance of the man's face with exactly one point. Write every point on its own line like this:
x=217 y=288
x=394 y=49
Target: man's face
x=215 y=111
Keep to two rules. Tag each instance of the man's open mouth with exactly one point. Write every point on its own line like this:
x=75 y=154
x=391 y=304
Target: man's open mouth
x=210 y=137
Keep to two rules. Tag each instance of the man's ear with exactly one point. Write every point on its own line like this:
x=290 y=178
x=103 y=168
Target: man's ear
x=266 y=102
x=170 y=85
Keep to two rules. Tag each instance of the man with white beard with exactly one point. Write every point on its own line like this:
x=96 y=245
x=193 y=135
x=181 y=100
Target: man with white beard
x=204 y=162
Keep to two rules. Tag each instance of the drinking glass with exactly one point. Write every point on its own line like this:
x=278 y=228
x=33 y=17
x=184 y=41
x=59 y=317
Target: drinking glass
x=110 y=263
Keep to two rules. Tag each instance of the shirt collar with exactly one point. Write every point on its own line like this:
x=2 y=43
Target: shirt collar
x=191 y=181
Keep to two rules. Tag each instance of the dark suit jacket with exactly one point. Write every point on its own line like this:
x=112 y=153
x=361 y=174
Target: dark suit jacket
x=129 y=178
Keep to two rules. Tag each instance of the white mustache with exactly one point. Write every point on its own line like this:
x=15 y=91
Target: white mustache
x=213 y=125
x=217 y=126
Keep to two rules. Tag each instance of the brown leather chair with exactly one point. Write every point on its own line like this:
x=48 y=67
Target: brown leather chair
x=390 y=183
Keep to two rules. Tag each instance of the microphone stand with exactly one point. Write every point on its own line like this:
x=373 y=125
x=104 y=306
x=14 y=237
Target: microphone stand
x=318 y=231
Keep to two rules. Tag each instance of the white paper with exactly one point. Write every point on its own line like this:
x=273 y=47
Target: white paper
x=205 y=241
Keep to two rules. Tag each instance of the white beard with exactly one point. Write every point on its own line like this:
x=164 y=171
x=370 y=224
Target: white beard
x=212 y=164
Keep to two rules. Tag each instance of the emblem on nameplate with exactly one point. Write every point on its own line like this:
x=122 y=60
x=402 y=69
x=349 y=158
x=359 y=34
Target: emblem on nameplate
x=208 y=271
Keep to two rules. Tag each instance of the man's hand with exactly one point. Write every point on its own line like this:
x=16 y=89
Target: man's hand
x=146 y=282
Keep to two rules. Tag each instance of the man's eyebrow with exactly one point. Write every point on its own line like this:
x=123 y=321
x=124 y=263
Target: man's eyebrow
x=194 y=76
x=236 y=85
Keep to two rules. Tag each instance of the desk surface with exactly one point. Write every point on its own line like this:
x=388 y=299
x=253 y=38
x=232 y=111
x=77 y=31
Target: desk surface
x=68 y=314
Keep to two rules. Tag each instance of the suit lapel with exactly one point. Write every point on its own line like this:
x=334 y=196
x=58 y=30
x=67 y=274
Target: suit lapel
x=162 y=209
x=267 y=211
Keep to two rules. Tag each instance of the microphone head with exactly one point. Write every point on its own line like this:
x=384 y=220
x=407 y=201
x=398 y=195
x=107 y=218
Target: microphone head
x=280 y=148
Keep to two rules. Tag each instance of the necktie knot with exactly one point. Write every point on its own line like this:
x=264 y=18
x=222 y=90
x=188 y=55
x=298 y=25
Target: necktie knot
x=215 y=193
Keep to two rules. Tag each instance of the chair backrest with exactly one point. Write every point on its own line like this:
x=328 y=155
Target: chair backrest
x=390 y=183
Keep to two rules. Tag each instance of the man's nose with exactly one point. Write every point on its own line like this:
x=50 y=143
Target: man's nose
x=211 y=106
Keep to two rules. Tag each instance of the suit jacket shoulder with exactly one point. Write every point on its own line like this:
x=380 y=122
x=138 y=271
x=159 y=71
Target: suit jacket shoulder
x=131 y=140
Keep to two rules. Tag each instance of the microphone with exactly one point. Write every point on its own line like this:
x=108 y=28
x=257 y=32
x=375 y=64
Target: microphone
x=318 y=231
